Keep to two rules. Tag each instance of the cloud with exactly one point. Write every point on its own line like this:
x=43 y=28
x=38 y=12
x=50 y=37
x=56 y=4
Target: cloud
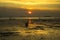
x=32 y=4
x=17 y=12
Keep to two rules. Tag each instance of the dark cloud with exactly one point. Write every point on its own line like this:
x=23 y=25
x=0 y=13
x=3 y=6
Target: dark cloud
x=13 y=12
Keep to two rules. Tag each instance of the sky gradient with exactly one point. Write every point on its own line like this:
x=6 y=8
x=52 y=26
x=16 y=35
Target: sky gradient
x=13 y=8
x=32 y=4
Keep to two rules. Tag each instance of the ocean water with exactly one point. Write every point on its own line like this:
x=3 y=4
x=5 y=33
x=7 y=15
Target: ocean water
x=16 y=30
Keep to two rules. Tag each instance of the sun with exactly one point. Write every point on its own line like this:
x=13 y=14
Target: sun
x=29 y=12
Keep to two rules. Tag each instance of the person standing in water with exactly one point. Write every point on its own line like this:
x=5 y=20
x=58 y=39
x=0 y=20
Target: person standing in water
x=26 y=24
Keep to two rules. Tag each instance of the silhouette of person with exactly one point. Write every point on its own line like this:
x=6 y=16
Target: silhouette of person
x=26 y=24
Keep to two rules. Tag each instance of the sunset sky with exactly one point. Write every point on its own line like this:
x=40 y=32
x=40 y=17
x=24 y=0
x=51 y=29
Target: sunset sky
x=33 y=7
x=32 y=4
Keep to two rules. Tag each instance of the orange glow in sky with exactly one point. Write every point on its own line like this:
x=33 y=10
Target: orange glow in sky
x=32 y=4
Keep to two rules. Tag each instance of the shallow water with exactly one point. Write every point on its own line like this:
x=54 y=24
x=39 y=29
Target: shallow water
x=13 y=30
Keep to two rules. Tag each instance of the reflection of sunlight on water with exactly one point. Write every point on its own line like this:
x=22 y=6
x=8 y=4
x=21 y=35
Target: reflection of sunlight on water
x=22 y=33
x=32 y=32
x=41 y=32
